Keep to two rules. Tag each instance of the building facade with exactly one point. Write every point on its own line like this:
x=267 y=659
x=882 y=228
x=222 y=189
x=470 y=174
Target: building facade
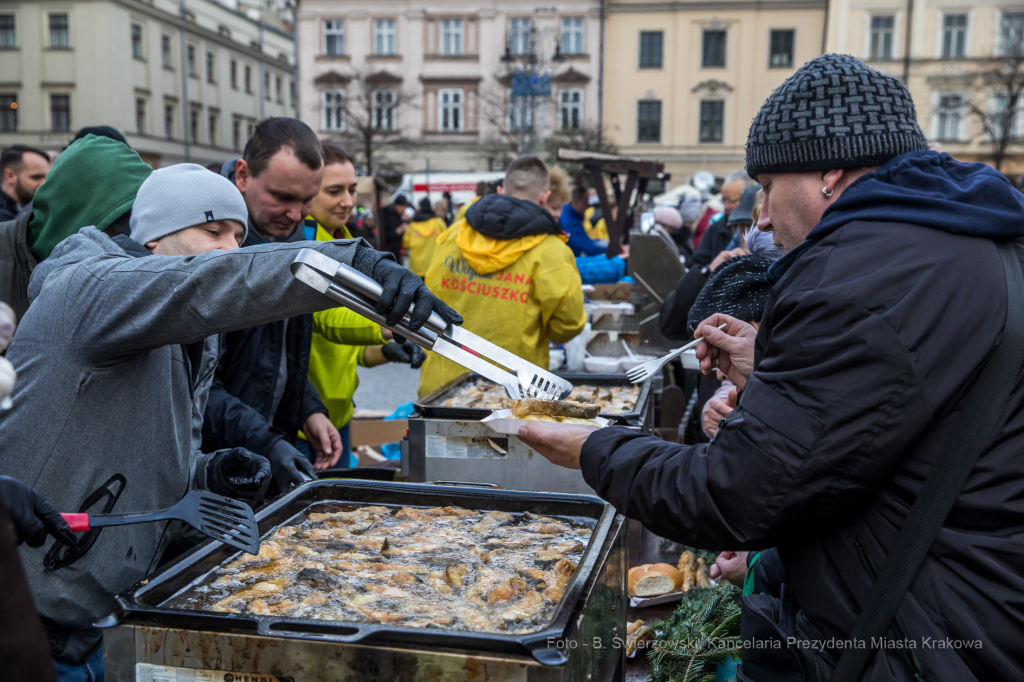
x=434 y=81
x=946 y=53
x=178 y=87
x=688 y=76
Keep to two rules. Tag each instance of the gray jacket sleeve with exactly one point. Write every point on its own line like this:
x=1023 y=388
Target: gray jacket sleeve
x=121 y=306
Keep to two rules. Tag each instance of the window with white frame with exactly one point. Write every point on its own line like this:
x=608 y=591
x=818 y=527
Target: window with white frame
x=881 y=37
x=948 y=113
x=1002 y=116
x=169 y=121
x=384 y=36
x=136 y=41
x=384 y=109
x=954 y=36
x=59 y=38
x=451 y=37
x=333 y=110
x=191 y=59
x=520 y=113
x=520 y=36
x=570 y=109
x=8 y=36
x=334 y=37
x=60 y=113
x=572 y=35
x=451 y=110
x=165 y=51
x=8 y=113
x=140 y=116
x=712 y=120
x=1011 y=34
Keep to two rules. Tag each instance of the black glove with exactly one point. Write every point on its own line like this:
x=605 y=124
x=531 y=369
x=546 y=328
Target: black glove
x=239 y=474
x=288 y=466
x=404 y=351
x=402 y=289
x=33 y=516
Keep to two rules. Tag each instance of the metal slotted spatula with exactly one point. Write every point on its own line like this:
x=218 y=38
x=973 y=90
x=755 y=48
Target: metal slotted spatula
x=358 y=292
x=221 y=518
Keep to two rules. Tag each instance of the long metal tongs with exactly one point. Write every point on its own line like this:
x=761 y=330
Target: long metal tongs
x=359 y=293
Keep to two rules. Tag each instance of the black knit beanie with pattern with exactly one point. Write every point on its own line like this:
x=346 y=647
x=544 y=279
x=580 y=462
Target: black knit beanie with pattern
x=834 y=112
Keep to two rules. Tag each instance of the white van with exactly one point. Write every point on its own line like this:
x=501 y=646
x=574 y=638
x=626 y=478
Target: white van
x=461 y=185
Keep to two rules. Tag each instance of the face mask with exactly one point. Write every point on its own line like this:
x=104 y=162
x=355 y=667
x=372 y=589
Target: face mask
x=761 y=244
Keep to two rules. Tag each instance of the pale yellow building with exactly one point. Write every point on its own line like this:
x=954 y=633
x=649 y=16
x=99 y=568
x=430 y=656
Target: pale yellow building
x=683 y=79
x=951 y=44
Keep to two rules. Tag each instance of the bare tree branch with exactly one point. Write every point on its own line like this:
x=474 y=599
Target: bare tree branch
x=1005 y=80
x=367 y=129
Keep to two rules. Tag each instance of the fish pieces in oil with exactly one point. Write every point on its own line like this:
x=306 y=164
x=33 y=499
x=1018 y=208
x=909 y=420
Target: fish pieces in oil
x=442 y=567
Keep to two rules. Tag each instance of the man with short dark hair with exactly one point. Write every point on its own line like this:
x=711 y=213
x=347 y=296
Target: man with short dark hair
x=22 y=170
x=572 y=222
x=261 y=396
x=508 y=270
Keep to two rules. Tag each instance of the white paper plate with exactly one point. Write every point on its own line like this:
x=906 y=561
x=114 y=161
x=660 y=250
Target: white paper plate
x=502 y=421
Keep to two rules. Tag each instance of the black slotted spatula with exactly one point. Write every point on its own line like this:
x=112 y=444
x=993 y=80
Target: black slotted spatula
x=221 y=518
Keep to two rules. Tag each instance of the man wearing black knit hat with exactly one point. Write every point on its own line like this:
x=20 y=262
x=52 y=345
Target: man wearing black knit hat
x=885 y=375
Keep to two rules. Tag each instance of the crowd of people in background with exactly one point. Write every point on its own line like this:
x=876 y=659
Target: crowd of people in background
x=157 y=308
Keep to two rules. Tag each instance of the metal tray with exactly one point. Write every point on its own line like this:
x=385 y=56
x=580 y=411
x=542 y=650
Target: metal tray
x=143 y=602
x=429 y=411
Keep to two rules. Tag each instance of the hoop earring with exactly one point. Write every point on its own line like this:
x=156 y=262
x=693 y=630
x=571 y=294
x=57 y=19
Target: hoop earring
x=825 y=193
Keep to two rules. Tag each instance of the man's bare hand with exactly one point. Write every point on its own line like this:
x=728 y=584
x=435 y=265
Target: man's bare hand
x=560 y=444
x=730 y=350
x=324 y=439
x=732 y=566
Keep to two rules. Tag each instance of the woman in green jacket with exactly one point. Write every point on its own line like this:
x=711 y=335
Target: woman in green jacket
x=342 y=339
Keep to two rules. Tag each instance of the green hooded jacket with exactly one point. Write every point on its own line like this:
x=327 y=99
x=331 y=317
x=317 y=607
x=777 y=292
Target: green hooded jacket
x=92 y=182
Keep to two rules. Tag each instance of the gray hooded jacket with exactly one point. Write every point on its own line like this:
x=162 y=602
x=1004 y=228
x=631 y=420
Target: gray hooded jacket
x=108 y=357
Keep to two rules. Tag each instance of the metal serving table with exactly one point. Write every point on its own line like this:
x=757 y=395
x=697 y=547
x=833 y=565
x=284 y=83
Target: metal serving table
x=450 y=443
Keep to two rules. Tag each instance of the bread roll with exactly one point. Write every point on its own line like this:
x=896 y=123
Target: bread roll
x=653 y=580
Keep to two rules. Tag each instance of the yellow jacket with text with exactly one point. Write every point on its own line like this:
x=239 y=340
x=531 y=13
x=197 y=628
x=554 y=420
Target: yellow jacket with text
x=420 y=240
x=514 y=282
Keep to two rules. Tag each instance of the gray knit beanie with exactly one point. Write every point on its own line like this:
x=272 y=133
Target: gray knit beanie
x=834 y=112
x=181 y=196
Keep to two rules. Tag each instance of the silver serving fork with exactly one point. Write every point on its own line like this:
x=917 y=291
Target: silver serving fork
x=643 y=372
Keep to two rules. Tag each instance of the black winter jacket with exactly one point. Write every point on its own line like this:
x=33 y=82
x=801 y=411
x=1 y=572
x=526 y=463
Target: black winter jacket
x=872 y=334
x=238 y=410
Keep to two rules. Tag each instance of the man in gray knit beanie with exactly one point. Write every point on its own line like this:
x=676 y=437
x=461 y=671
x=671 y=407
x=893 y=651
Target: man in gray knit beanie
x=829 y=123
x=185 y=210
x=855 y=391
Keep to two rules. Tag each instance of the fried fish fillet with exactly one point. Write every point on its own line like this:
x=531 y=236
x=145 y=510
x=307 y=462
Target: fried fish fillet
x=555 y=408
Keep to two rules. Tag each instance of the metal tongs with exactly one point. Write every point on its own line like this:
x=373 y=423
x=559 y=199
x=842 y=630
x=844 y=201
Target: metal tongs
x=359 y=293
